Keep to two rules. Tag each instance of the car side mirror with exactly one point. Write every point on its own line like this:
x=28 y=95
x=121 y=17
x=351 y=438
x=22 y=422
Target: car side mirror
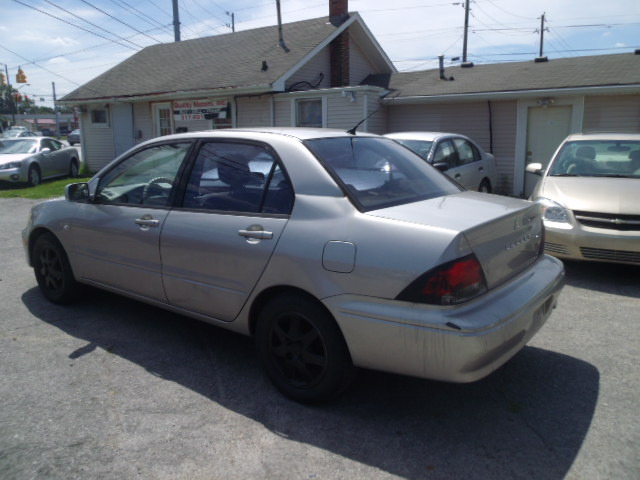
x=442 y=166
x=535 y=168
x=77 y=192
x=45 y=150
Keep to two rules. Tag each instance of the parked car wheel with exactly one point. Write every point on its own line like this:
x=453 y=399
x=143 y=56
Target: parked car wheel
x=73 y=168
x=485 y=186
x=52 y=270
x=302 y=349
x=33 y=177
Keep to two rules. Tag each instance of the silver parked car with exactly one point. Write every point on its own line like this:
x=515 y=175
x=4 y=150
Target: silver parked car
x=31 y=160
x=333 y=250
x=456 y=155
x=589 y=193
x=74 y=137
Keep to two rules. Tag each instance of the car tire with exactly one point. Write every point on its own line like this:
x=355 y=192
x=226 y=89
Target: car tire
x=485 y=186
x=73 y=168
x=53 y=271
x=33 y=176
x=302 y=350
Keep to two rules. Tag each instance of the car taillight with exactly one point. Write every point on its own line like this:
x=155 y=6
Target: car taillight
x=451 y=283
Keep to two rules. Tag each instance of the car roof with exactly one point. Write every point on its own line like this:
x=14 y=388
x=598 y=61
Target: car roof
x=300 y=133
x=603 y=136
x=428 y=136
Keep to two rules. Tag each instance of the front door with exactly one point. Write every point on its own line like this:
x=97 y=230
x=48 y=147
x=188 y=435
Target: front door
x=162 y=114
x=117 y=236
x=122 y=116
x=547 y=127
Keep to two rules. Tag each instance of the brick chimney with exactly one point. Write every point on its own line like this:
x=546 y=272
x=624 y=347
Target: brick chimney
x=339 y=47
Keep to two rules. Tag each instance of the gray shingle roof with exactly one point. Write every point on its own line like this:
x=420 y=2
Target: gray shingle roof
x=576 y=72
x=223 y=61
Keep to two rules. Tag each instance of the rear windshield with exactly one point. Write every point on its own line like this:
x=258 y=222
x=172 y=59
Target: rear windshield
x=421 y=147
x=378 y=173
x=598 y=158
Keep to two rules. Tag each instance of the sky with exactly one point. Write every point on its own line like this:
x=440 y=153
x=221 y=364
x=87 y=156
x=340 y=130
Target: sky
x=69 y=42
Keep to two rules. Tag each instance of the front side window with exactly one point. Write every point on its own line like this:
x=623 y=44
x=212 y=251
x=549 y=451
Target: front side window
x=446 y=153
x=145 y=178
x=233 y=177
x=309 y=113
x=377 y=173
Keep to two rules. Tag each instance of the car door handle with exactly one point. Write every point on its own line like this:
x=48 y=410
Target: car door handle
x=147 y=221
x=481 y=169
x=256 y=234
x=457 y=175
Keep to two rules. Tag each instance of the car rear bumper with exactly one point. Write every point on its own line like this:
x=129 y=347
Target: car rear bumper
x=457 y=344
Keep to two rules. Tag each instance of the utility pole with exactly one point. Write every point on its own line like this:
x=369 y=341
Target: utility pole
x=56 y=109
x=541 y=57
x=233 y=21
x=466 y=64
x=176 y=21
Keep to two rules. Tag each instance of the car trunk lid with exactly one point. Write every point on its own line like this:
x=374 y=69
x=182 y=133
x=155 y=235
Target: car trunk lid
x=504 y=233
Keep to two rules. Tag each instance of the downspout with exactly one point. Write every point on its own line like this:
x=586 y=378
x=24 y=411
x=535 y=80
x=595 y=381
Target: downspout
x=490 y=127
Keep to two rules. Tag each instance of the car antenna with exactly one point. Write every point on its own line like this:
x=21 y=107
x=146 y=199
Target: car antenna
x=352 y=131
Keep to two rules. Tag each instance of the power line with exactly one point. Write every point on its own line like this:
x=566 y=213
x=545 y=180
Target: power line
x=119 y=21
x=92 y=24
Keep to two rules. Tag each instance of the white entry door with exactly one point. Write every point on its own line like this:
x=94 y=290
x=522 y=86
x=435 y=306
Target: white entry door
x=547 y=127
x=162 y=114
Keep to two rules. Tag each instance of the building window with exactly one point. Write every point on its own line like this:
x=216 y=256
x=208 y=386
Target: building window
x=309 y=113
x=100 y=117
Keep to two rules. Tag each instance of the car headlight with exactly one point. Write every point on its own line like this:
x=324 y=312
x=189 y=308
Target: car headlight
x=7 y=166
x=554 y=212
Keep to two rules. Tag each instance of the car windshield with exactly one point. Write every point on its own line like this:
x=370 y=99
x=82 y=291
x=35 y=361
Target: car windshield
x=379 y=173
x=18 y=146
x=421 y=147
x=598 y=158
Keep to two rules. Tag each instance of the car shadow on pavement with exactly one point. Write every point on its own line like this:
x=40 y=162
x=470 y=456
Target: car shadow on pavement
x=527 y=420
x=617 y=279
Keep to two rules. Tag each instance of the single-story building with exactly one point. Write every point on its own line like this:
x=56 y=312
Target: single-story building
x=331 y=72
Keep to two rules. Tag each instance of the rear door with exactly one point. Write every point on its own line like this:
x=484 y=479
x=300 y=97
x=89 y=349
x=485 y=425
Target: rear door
x=117 y=236
x=216 y=245
x=470 y=169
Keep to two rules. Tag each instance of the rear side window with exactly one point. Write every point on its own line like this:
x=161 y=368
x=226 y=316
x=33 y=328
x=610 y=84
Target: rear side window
x=233 y=177
x=378 y=172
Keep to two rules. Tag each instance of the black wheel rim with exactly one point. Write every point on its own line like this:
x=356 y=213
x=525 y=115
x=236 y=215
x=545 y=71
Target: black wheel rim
x=51 y=271
x=298 y=350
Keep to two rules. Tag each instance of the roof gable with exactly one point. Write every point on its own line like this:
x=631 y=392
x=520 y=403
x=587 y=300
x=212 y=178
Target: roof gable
x=230 y=61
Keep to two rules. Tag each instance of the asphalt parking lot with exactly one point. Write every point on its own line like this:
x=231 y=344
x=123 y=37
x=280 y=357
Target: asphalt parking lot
x=113 y=389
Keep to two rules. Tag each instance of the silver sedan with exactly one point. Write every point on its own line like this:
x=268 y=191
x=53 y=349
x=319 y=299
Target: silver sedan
x=332 y=250
x=456 y=155
x=31 y=160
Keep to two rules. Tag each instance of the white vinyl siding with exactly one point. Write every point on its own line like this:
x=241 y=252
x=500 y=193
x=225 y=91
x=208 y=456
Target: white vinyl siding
x=612 y=113
x=359 y=66
x=282 y=112
x=377 y=123
x=342 y=113
x=142 y=124
x=310 y=72
x=254 y=111
x=98 y=144
x=504 y=143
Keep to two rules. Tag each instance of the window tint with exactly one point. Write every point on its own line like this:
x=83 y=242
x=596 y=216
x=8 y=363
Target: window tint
x=378 y=172
x=467 y=152
x=421 y=147
x=592 y=158
x=145 y=178
x=238 y=178
x=445 y=153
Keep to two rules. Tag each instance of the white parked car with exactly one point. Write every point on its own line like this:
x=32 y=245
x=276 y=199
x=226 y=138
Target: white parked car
x=456 y=155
